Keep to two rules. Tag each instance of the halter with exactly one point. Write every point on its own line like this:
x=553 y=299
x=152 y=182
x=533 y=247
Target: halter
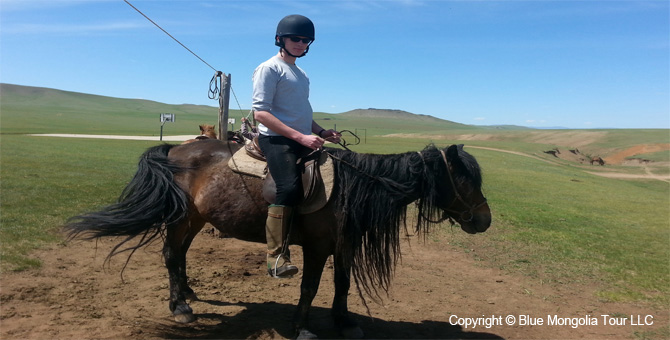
x=465 y=215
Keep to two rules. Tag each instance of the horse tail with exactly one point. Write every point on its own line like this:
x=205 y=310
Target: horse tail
x=149 y=204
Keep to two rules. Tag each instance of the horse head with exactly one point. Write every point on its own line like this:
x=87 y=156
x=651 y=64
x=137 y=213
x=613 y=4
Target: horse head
x=208 y=131
x=463 y=200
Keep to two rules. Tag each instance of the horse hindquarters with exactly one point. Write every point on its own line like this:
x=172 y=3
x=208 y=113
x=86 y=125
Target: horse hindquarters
x=151 y=205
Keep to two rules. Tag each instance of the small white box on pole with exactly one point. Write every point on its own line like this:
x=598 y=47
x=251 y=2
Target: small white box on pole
x=168 y=117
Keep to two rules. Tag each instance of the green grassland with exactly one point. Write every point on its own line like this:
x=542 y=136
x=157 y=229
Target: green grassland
x=553 y=220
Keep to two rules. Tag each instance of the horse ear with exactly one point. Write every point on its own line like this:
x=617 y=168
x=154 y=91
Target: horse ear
x=452 y=153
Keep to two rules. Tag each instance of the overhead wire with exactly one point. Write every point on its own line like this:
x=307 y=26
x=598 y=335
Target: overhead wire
x=214 y=92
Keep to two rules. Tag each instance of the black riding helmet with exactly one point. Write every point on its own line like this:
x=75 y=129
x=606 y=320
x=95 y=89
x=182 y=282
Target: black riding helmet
x=294 y=25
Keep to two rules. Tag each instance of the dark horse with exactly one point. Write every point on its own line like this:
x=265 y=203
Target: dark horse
x=597 y=160
x=177 y=189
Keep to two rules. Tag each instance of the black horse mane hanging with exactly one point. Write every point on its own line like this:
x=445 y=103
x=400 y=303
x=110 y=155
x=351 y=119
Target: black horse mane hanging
x=372 y=199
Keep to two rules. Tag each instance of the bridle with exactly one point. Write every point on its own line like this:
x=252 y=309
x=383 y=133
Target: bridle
x=466 y=215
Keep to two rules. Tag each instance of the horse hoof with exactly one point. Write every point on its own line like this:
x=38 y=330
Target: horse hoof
x=305 y=334
x=184 y=318
x=353 y=333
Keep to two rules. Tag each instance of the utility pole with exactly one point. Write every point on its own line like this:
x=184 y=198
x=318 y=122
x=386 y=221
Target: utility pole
x=224 y=102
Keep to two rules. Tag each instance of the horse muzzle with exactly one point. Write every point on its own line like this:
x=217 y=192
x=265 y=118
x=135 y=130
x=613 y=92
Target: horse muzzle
x=475 y=220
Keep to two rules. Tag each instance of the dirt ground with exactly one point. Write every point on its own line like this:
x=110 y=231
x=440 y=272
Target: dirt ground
x=620 y=157
x=437 y=287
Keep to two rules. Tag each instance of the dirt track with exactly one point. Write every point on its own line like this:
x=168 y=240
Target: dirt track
x=74 y=297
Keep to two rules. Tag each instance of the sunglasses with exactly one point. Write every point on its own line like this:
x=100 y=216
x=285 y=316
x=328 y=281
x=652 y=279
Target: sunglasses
x=304 y=40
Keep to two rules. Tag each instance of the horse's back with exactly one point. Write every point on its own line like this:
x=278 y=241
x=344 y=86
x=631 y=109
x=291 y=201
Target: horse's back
x=229 y=201
x=204 y=153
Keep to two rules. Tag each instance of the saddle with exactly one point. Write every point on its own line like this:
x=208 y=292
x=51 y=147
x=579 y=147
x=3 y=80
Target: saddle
x=254 y=150
x=317 y=175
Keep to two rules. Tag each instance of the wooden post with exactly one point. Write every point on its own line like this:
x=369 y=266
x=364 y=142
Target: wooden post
x=224 y=102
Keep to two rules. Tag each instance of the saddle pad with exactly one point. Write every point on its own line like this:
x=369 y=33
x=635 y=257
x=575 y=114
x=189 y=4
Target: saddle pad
x=242 y=163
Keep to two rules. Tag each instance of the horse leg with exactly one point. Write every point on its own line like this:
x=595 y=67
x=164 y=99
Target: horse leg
x=315 y=256
x=340 y=312
x=179 y=238
x=183 y=278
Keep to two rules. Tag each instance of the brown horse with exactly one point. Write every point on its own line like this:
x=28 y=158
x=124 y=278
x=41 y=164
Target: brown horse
x=206 y=132
x=598 y=160
x=177 y=189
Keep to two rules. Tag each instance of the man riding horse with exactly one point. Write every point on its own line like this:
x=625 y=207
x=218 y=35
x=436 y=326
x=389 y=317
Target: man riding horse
x=281 y=106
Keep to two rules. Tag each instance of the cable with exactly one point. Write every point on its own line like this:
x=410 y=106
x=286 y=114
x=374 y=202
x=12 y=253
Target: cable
x=214 y=92
x=173 y=38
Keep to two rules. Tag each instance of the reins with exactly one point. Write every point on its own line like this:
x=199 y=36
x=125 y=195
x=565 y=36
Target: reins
x=351 y=165
x=390 y=185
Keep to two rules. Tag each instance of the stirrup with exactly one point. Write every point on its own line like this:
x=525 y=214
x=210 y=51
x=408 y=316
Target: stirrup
x=285 y=271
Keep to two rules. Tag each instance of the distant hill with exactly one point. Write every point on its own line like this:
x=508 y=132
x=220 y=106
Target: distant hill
x=35 y=96
x=506 y=127
x=27 y=109
x=395 y=114
x=408 y=116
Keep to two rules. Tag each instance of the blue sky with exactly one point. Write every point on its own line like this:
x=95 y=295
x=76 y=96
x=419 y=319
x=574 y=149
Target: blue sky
x=576 y=64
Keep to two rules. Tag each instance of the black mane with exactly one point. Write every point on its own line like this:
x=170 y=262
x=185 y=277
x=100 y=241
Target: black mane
x=471 y=173
x=373 y=192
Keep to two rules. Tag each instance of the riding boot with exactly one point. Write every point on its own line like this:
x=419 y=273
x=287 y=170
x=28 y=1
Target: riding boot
x=276 y=232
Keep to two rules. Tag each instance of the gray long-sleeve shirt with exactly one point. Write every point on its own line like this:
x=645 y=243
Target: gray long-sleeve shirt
x=283 y=90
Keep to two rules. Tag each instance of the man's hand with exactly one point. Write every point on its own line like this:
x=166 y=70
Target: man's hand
x=311 y=141
x=331 y=136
